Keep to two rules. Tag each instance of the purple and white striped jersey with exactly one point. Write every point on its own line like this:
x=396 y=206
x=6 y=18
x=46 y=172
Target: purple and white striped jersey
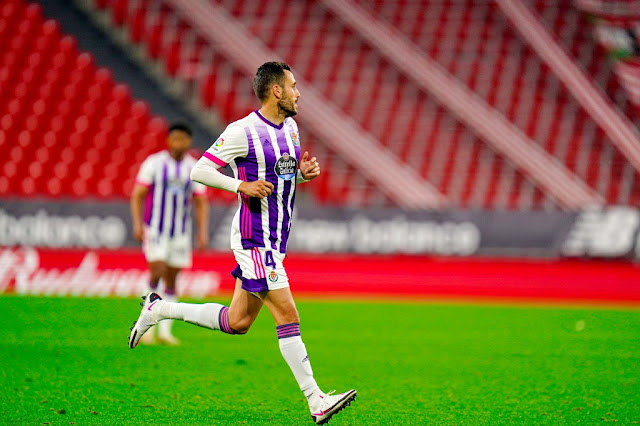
x=167 y=210
x=257 y=149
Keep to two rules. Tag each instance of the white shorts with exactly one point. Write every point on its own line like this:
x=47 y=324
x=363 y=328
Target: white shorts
x=260 y=269
x=174 y=251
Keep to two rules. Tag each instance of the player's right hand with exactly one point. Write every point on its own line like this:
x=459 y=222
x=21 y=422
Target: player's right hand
x=258 y=189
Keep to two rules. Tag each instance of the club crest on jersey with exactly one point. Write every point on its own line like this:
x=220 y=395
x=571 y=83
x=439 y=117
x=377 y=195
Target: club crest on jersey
x=273 y=276
x=286 y=167
x=294 y=139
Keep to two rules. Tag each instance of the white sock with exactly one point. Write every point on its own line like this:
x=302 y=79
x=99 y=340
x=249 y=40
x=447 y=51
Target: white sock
x=202 y=314
x=164 y=327
x=295 y=354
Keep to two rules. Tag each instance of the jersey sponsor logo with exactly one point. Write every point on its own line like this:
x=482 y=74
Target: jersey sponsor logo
x=286 y=167
x=294 y=139
x=273 y=276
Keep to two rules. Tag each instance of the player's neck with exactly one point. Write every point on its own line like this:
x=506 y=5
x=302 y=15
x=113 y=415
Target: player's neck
x=272 y=113
x=177 y=157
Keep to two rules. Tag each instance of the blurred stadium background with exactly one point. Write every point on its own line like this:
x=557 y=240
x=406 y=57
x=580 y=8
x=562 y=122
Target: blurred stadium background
x=483 y=150
x=474 y=148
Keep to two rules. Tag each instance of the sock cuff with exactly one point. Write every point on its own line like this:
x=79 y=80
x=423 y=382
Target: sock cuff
x=223 y=321
x=288 y=330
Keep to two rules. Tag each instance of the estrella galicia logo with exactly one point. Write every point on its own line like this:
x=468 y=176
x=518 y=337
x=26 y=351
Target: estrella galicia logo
x=286 y=167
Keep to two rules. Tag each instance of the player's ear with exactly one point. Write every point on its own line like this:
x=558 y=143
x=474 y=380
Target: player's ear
x=277 y=91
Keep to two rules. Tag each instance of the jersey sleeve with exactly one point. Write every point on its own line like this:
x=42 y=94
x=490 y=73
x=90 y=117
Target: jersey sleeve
x=231 y=144
x=145 y=174
x=199 y=189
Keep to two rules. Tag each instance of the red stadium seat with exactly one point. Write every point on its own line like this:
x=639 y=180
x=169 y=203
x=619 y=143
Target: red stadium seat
x=54 y=103
x=119 y=9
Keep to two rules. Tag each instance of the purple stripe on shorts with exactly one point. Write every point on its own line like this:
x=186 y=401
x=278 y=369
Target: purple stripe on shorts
x=237 y=272
x=255 y=286
x=288 y=330
x=165 y=180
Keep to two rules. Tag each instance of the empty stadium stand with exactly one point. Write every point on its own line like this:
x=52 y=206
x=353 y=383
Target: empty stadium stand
x=46 y=106
x=471 y=39
x=66 y=128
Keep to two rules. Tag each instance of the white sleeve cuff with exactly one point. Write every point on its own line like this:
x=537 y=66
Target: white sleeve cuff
x=205 y=171
x=299 y=178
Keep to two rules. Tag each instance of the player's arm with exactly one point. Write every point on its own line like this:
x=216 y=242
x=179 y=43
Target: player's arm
x=201 y=212
x=137 y=199
x=230 y=145
x=205 y=172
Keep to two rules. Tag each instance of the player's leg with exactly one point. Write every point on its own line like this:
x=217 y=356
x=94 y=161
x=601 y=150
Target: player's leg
x=235 y=319
x=279 y=301
x=170 y=276
x=157 y=269
x=155 y=251
x=283 y=309
x=244 y=309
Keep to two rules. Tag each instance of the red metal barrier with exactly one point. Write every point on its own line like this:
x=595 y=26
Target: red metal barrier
x=123 y=272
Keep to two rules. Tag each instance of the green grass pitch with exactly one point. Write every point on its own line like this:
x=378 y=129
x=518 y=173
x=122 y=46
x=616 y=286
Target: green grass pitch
x=66 y=361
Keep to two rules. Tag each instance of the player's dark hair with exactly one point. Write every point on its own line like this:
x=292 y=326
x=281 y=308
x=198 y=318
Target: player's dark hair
x=268 y=74
x=181 y=126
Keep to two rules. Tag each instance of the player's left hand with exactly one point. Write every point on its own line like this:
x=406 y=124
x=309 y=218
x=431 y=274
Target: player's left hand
x=310 y=169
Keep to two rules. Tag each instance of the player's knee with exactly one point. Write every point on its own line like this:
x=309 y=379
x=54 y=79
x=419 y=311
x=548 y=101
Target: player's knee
x=240 y=325
x=289 y=316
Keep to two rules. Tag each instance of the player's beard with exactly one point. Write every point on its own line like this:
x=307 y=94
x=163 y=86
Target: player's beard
x=287 y=106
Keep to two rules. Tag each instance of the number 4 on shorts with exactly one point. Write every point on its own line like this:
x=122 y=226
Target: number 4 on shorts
x=268 y=259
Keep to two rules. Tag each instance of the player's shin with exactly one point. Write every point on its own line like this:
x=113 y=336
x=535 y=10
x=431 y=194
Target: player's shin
x=209 y=315
x=295 y=354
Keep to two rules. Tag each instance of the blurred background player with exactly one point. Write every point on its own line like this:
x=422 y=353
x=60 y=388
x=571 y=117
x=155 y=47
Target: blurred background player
x=164 y=186
x=263 y=149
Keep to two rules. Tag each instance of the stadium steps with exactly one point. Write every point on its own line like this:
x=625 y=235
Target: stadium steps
x=487 y=122
x=619 y=130
x=546 y=112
